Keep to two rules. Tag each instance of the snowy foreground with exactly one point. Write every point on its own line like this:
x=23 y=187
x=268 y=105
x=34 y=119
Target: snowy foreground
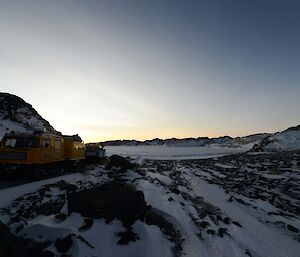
x=237 y=205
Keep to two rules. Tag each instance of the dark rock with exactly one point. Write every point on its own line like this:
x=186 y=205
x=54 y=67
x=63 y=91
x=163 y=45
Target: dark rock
x=292 y=228
x=127 y=236
x=199 y=235
x=64 y=244
x=248 y=253
x=222 y=232
x=110 y=201
x=260 y=147
x=19 y=228
x=119 y=161
x=79 y=237
x=88 y=223
x=36 y=248
x=61 y=216
x=211 y=232
x=10 y=245
x=219 y=218
x=204 y=224
x=237 y=224
x=226 y=220
x=49 y=208
x=175 y=191
x=48 y=253
x=15 y=219
x=241 y=201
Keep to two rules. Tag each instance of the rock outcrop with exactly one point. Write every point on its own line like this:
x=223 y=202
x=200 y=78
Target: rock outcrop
x=19 y=116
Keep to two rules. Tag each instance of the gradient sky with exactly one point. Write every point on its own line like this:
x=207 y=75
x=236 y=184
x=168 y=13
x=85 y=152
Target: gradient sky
x=145 y=69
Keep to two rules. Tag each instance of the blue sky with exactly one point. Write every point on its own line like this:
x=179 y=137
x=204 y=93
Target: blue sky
x=144 y=69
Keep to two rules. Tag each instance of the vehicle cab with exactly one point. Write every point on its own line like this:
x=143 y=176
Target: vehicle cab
x=31 y=148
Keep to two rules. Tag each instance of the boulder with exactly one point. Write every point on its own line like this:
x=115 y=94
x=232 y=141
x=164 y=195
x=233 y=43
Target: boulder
x=64 y=244
x=119 y=162
x=292 y=228
x=12 y=246
x=110 y=201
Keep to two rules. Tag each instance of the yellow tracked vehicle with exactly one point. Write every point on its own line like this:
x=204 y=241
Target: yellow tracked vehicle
x=74 y=148
x=40 y=148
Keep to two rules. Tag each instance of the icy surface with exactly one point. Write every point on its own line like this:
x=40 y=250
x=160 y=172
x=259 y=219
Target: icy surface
x=172 y=153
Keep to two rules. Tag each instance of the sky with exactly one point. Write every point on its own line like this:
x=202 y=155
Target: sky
x=145 y=69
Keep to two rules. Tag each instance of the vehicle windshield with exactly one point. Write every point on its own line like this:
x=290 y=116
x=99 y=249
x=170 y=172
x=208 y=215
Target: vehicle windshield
x=22 y=142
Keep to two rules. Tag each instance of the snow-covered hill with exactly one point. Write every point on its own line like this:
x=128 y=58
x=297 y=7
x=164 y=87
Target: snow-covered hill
x=19 y=116
x=286 y=140
x=281 y=141
x=242 y=141
x=224 y=141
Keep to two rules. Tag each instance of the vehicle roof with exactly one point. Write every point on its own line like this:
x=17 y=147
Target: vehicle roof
x=30 y=134
x=75 y=138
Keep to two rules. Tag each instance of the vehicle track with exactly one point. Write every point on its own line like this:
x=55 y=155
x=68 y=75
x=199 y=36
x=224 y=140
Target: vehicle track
x=16 y=177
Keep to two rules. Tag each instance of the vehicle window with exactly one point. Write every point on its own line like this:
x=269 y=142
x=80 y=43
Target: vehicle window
x=10 y=142
x=46 y=144
x=22 y=142
x=57 y=144
x=7 y=142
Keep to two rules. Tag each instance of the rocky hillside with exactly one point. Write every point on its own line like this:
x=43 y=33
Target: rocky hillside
x=225 y=141
x=19 y=116
x=286 y=140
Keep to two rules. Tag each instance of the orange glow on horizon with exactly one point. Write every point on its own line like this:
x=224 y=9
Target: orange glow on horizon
x=166 y=135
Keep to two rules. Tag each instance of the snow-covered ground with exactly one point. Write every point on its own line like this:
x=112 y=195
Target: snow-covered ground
x=173 y=153
x=232 y=206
